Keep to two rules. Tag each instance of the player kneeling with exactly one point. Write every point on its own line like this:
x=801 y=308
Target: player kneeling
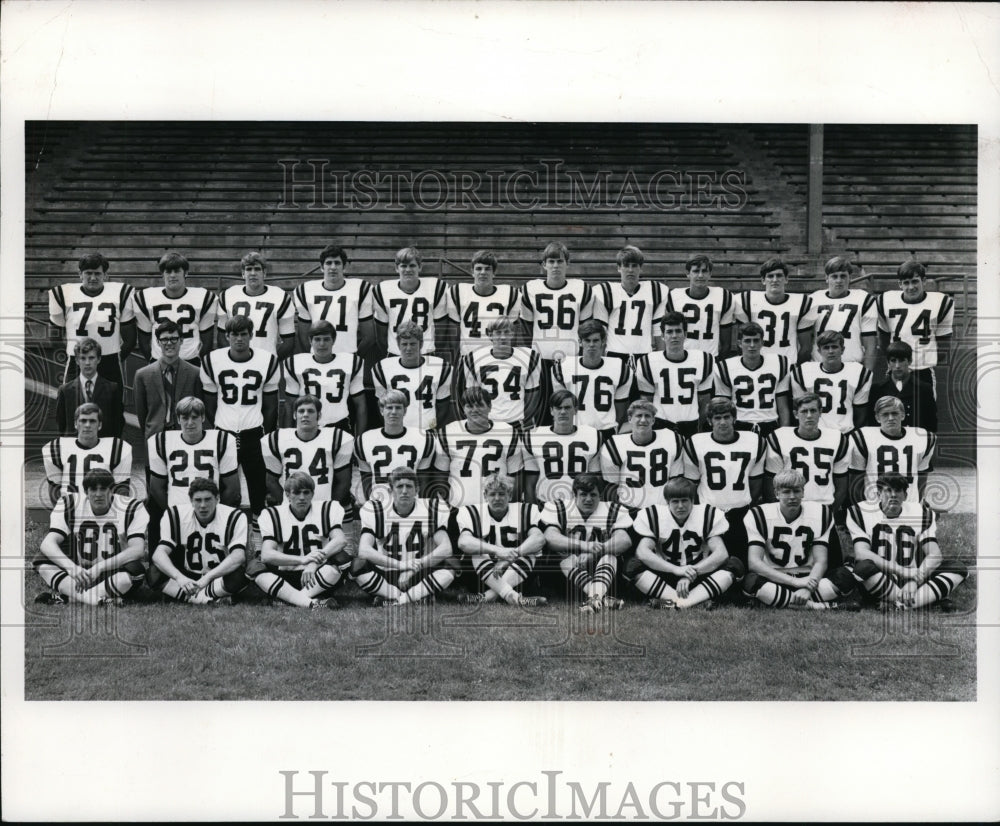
x=787 y=547
x=404 y=554
x=588 y=536
x=96 y=544
x=503 y=542
x=202 y=547
x=670 y=564
x=897 y=557
x=302 y=552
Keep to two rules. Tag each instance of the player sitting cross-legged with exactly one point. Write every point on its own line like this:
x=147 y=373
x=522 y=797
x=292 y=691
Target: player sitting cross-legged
x=681 y=560
x=302 y=554
x=503 y=542
x=788 y=543
x=587 y=536
x=96 y=544
x=404 y=553
x=897 y=557
x=202 y=547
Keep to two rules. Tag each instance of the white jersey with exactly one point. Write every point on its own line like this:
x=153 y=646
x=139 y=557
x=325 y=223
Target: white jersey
x=606 y=518
x=902 y=539
x=300 y=537
x=425 y=386
x=344 y=307
x=633 y=320
x=705 y=316
x=641 y=471
x=404 y=537
x=909 y=454
x=92 y=316
x=841 y=392
x=820 y=460
x=754 y=392
x=788 y=544
x=780 y=322
x=271 y=312
x=559 y=457
x=555 y=314
x=919 y=325
x=680 y=543
x=505 y=381
x=240 y=386
x=508 y=532
x=199 y=548
x=674 y=385
x=171 y=458
x=92 y=537
x=67 y=461
x=854 y=316
x=194 y=311
x=723 y=470
x=379 y=454
x=473 y=312
x=470 y=458
x=330 y=450
x=332 y=382
x=425 y=305
x=596 y=388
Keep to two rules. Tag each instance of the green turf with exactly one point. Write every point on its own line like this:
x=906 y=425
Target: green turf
x=260 y=652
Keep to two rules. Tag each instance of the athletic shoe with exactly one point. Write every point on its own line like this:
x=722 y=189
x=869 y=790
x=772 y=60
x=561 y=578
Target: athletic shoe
x=592 y=606
x=850 y=606
x=946 y=605
x=531 y=602
x=662 y=603
x=50 y=598
x=613 y=603
x=116 y=602
x=330 y=603
x=471 y=599
x=382 y=602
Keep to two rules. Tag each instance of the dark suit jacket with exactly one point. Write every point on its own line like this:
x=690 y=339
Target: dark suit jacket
x=149 y=402
x=107 y=396
x=917 y=397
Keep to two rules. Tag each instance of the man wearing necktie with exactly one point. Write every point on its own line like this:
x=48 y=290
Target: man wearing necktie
x=160 y=385
x=90 y=387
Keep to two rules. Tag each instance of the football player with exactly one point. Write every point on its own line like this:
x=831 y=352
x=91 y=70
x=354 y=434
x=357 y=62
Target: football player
x=241 y=396
x=637 y=465
x=707 y=310
x=202 y=549
x=324 y=453
x=890 y=448
x=921 y=318
x=757 y=383
x=783 y=316
x=588 y=536
x=412 y=298
x=511 y=376
x=94 y=550
x=98 y=309
x=269 y=307
x=843 y=386
x=503 y=542
x=379 y=451
x=337 y=379
x=475 y=449
x=404 y=553
x=554 y=455
x=681 y=560
x=897 y=557
x=630 y=309
x=426 y=380
x=67 y=459
x=788 y=546
x=852 y=313
x=678 y=381
x=473 y=306
x=345 y=302
x=193 y=309
x=601 y=383
x=302 y=551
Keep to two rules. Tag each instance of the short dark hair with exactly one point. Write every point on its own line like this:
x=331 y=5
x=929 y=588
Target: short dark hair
x=297 y=481
x=487 y=257
x=171 y=261
x=586 y=482
x=87 y=345
x=402 y=473
x=679 y=488
x=201 y=483
x=899 y=350
x=719 y=405
x=303 y=401
x=93 y=261
x=86 y=409
x=166 y=327
x=829 y=337
x=630 y=254
x=674 y=319
x=808 y=398
x=839 y=263
x=910 y=268
x=333 y=251
x=323 y=327
x=559 y=396
x=475 y=395
x=696 y=260
x=893 y=481
x=590 y=327
x=99 y=477
x=239 y=324
x=773 y=264
x=555 y=249
x=751 y=328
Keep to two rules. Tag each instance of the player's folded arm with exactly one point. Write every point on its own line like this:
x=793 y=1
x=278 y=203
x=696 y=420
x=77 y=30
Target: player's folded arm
x=646 y=553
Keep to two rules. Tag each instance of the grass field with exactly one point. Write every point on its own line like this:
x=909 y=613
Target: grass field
x=253 y=651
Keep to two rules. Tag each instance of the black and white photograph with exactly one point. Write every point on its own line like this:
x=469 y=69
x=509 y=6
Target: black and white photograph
x=496 y=435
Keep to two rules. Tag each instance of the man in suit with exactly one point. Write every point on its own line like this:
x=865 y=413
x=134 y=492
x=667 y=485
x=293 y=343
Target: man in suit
x=90 y=386
x=160 y=385
x=916 y=395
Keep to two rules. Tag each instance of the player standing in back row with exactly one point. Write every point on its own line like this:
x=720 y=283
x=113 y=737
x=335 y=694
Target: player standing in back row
x=631 y=309
x=783 y=316
x=270 y=308
x=412 y=298
x=707 y=310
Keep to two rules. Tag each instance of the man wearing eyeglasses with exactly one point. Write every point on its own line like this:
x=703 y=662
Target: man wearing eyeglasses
x=160 y=385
